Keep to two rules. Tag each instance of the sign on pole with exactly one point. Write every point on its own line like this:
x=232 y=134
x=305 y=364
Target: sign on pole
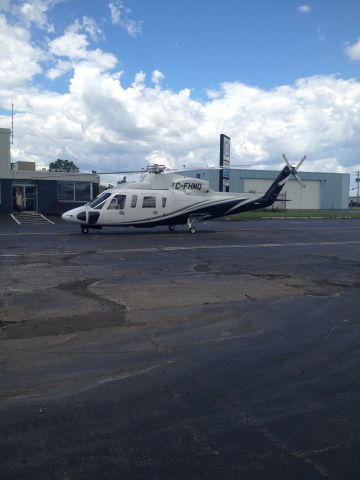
x=224 y=176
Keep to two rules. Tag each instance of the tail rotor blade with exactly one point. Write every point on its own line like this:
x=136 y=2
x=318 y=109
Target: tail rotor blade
x=299 y=180
x=300 y=163
x=292 y=172
x=286 y=161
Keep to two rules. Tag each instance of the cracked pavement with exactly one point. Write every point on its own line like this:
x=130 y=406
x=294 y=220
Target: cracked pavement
x=232 y=353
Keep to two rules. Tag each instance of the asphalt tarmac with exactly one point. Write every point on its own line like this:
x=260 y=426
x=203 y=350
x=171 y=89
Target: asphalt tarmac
x=142 y=354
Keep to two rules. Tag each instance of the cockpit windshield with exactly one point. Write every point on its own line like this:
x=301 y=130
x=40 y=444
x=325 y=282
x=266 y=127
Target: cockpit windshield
x=99 y=201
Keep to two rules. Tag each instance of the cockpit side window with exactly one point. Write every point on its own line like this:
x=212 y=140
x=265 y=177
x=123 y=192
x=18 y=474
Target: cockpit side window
x=99 y=201
x=117 y=202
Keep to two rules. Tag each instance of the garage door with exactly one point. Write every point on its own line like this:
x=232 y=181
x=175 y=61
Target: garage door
x=301 y=198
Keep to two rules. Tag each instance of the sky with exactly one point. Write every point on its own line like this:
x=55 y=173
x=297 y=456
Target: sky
x=118 y=84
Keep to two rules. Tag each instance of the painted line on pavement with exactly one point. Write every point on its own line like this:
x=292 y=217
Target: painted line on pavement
x=12 y=216
x=277 y=229
x=183 y=248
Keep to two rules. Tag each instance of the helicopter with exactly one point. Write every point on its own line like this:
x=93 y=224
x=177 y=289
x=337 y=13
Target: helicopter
x=170 y=199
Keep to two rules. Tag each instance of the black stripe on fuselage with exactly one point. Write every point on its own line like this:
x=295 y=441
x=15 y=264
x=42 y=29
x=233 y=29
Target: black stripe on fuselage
x=180 y=216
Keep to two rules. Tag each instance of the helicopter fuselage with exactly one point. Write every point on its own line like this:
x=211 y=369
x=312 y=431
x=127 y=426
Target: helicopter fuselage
x=168 y=199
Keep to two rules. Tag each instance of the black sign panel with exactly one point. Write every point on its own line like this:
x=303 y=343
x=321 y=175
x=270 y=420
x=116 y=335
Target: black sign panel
x=224 y=176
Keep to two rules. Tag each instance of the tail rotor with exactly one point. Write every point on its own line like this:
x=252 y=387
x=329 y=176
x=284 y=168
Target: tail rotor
x=292 y=171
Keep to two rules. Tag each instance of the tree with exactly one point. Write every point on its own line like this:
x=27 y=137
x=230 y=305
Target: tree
x=63 y=166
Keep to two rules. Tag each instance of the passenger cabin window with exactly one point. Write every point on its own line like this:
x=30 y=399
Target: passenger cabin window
x=133 y=201
x=163 y=202
x=149 y=202
x=117 y=202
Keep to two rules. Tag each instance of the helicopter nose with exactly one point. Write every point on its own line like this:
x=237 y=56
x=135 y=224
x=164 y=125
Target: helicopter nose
x=67 y=216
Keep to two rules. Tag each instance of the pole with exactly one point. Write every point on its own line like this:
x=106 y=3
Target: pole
x=12 y=123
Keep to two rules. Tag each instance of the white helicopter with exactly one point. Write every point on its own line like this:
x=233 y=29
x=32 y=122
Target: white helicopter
x=171 y=199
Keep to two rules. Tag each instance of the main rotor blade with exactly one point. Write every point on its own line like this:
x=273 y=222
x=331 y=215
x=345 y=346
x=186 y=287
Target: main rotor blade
x=123 y=171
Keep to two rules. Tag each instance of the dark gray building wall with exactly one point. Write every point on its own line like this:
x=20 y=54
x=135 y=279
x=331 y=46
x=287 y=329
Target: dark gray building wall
x=95 y=189
x=65 y=206
x=6 y=199
x=48 y=202
x=47 y=197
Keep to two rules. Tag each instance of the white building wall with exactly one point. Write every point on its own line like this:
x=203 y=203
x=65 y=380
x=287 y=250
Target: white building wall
x=301 y=198
x=5 y=164
x=59 y=176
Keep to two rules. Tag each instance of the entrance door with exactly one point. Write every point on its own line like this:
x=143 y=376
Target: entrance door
x=24 y=198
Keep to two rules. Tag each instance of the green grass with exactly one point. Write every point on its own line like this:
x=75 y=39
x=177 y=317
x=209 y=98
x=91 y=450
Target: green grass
x=259 y=214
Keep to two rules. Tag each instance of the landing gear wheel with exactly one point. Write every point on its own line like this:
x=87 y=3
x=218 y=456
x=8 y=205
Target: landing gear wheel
x=171 y=228
x=84 y=230
x=192 y=230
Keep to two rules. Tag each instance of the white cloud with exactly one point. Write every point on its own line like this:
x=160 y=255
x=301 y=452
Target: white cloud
x=35 y=12
x=73 y=46
x=31 y=12
x=119 y=16
x=4 y=5
x=19 y=60
x=102 y=125
x=92 y=28
x=157 y=77
x=353 y=51
x=62 y=67
x=304 y=8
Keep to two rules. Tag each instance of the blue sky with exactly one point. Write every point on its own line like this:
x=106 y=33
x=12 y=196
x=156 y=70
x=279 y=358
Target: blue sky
x=201 y=43
x=116 y=84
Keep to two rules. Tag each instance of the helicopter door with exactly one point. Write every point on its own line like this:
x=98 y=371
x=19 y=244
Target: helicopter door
x=115 y=211
x=117 y=203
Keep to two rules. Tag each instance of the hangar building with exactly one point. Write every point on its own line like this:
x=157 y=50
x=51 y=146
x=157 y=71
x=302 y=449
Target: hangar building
x=323 y=190
x=23 y=188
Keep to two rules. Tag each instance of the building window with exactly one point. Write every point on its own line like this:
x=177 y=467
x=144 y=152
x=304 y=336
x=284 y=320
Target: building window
x=149 y=202
x=66 y=191
x=74 y=191
x=82 y=192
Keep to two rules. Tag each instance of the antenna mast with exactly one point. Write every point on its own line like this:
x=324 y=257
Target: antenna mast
x=12 y=123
